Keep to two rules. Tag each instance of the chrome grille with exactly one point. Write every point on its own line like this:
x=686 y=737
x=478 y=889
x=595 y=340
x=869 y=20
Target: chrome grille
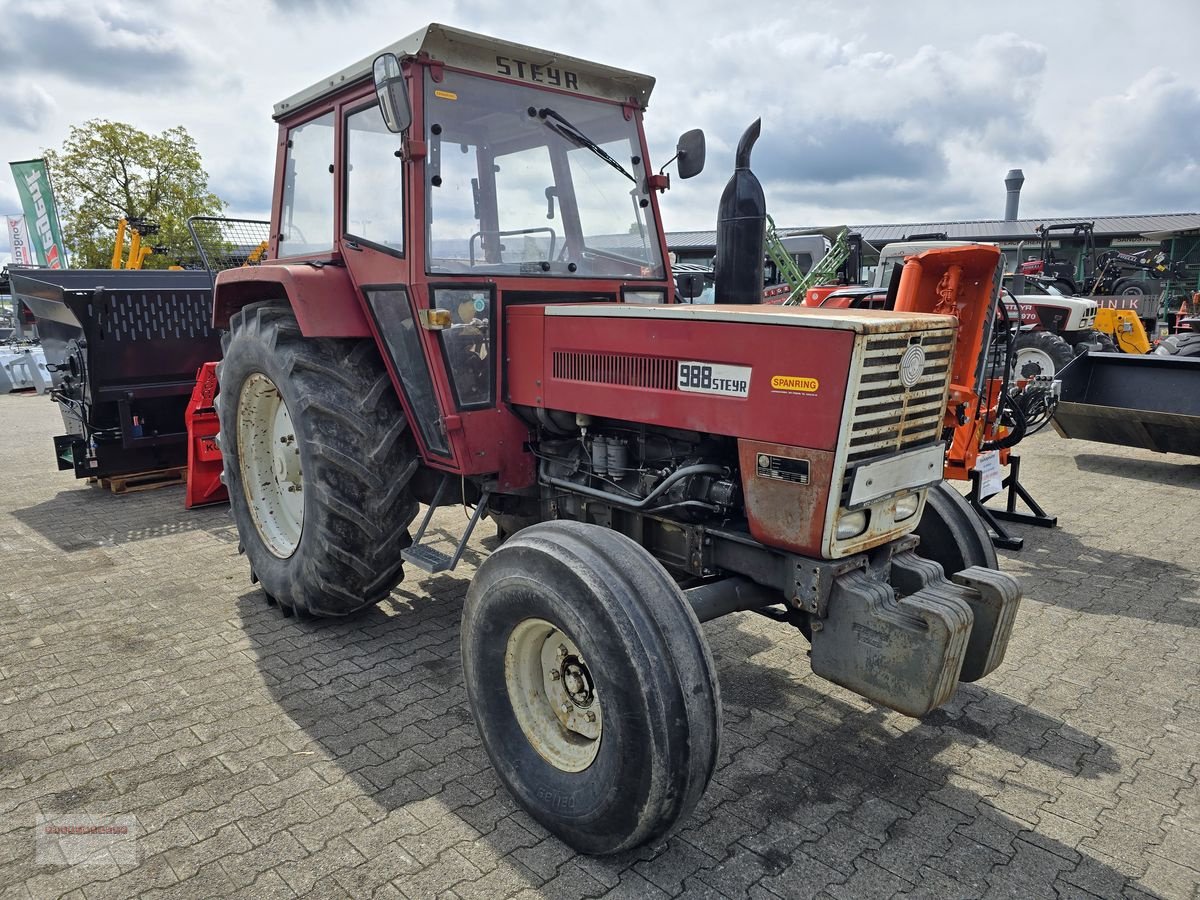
x=886 y=417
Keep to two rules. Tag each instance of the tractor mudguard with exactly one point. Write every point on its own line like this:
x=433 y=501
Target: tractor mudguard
x=322 y=297
x=909 y=652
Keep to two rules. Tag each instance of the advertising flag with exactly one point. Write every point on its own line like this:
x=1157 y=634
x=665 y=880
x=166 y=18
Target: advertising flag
x=37 y=199
x=18 y=239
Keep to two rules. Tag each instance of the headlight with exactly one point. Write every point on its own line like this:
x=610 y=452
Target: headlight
x=645 y=298
x=851 y=524
x=906 y=506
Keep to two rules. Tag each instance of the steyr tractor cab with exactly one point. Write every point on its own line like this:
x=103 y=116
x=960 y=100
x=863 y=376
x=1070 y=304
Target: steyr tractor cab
x=466 y=302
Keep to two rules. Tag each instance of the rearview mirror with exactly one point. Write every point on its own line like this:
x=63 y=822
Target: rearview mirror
x=391 y=93
x=689 y=285
x=690 y=153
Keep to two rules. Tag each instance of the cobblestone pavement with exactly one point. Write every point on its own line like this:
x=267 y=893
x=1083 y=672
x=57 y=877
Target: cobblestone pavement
x=142 y=675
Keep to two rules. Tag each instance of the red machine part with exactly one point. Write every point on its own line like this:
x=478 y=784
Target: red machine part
x=204 y=456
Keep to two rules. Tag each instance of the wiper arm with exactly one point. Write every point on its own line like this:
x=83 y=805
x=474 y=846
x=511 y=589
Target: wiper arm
x=561 y=126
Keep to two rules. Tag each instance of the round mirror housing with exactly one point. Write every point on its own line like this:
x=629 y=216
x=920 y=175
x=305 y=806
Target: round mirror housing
x=391 y=93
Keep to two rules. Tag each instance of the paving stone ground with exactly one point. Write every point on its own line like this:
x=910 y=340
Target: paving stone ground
x=142 y=676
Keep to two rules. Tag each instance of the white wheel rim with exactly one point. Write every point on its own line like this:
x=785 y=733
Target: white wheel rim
x=1031 y=362
x=269 y=464
x=553 y=695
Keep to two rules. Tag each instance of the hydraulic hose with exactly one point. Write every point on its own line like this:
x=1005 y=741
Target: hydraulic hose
x=618 y=500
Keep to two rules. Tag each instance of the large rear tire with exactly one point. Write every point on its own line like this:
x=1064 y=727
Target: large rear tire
x=592 y=685
x=1129 y=287
x=952 y=534
x=1039 y=353
x=1186 y=345
x=318 y=459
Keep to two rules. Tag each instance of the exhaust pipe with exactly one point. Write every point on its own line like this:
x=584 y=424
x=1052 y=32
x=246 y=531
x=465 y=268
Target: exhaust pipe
x=1013 y=181
x=741 y=230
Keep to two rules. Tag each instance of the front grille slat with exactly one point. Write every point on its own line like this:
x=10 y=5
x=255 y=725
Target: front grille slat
x=886 y=417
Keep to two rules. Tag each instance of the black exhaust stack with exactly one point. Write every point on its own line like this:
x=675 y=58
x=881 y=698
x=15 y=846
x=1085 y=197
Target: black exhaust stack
x=741 y=230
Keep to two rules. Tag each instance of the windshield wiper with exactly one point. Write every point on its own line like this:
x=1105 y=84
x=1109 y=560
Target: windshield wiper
x=561 y=126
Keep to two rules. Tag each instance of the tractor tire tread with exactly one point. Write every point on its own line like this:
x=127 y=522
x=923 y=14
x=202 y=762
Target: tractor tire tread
x=359 y=461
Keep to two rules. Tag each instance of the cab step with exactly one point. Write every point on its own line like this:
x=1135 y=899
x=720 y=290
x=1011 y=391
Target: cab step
x=429 y=559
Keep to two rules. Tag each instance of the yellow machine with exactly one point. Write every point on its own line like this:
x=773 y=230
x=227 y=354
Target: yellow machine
x=137 y=253
x=1125 y=328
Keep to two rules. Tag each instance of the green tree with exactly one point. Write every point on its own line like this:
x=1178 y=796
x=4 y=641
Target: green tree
x=106 y=171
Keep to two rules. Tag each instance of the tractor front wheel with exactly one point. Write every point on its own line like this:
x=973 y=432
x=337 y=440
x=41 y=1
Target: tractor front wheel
x=1038 y=353
x=952 y=533
x=592 y=685
x=318 y=459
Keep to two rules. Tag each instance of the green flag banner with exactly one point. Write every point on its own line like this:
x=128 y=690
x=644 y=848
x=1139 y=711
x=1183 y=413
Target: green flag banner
x=37 y=198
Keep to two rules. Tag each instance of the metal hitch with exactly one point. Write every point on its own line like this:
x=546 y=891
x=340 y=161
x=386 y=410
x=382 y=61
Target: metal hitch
x=907 y=643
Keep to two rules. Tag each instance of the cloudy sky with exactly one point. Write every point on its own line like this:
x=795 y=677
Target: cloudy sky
x=872 y=112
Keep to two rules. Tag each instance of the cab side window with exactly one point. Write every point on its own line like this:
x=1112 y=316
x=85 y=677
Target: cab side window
x=307 y=216
x=374 y=204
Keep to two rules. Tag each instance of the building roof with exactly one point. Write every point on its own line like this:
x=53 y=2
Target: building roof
x=1158 y=225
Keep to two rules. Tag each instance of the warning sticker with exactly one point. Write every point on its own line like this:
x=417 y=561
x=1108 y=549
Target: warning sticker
x=798 y=383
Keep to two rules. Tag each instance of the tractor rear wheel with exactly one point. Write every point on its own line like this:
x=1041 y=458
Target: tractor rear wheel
x=1039 y=353
x=592 y=685
x=1129 y=287
x=1186 y=345
x=952 y=533
x=318 y=459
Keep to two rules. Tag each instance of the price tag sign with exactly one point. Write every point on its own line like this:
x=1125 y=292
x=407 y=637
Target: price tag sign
x=991 y=478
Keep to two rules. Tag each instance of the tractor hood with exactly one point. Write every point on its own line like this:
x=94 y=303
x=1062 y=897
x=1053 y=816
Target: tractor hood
x=860 y=321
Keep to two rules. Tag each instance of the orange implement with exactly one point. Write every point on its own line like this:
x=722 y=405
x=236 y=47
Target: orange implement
x=961 y=282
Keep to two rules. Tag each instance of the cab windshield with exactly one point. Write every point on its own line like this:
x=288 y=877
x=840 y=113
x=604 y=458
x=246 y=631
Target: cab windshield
x=521 y=181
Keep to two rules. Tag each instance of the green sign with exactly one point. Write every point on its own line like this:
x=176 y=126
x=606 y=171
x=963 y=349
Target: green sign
x=37 y=198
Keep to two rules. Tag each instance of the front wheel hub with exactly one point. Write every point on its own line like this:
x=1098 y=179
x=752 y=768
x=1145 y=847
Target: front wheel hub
x=552 y=694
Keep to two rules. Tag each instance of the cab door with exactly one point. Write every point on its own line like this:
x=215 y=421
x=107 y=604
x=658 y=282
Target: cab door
x=374 y=236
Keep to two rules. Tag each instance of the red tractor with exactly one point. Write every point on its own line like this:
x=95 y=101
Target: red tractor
x=467 y=302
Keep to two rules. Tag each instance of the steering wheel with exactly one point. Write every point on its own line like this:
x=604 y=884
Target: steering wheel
x=500 y=234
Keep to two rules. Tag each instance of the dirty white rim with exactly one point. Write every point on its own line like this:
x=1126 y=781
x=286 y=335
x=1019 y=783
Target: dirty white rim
x=269 y=463
x=1031 y=362
x=553 y=695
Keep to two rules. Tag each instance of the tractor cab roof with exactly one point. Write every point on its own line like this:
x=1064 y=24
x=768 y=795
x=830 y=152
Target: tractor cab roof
x=488 y=56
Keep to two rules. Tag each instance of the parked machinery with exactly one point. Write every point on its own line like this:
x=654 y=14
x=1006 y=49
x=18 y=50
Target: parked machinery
x=1101 y=273
x=489 y=321
x=123 y=347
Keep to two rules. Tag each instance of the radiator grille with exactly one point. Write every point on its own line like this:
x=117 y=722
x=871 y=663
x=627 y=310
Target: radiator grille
x=886 y=416
x=616 y=368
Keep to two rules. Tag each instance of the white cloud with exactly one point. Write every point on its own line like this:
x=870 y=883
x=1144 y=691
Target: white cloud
x=876 y=112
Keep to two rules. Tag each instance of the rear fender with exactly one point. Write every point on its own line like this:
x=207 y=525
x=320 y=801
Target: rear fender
x=322 y=297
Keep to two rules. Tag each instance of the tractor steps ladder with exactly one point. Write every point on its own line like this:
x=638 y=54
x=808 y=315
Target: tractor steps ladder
x=426 y=557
